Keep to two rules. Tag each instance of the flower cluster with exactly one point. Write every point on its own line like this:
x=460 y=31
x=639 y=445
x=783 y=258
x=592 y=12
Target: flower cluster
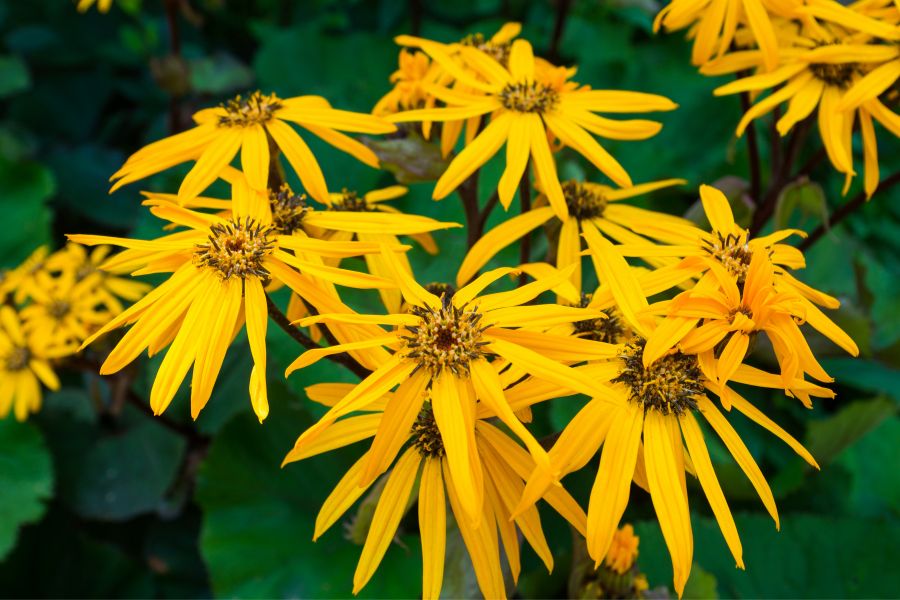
x=651 y=318
x=838 y=61
x=53 y=302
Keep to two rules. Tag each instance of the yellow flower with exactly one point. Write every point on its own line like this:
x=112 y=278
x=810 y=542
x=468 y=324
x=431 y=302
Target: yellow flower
x=219 y=267
x=643 y=438
x=643 y=433
x=416 y=70
x=20 y=282
x=64 y=310
x=253 y=125
x=24 y=365
x=75 y=259
x=835 y=72
x=714 y=23
x=466 y=349
x=722 y=309
x=730 y=246
x=523 y=111
x=422 y=451
x=103 y=6
x=623 y=550
x=588 y=206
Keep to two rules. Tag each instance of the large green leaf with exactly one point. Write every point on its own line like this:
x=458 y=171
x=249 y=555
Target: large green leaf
x=829 y=437
x=26 y=479
x=258 y=518
x=812 y=557
x=110 y=471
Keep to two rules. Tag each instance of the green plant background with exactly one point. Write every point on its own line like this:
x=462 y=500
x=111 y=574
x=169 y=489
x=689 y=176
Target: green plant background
x=95 y=502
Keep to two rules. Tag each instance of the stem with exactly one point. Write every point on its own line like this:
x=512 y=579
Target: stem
x=468 y=193
x=525 y=202
x=780 y=177
x=486 y=212
x=843 y=212
x=171 y=7
x=752 y=149
x=775 y=146
x=342 y=359
x=562 y=11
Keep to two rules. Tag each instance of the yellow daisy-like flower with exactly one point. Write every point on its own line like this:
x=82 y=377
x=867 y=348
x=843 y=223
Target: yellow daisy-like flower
x=24 y=365
x=64 y=310
x=103 y=6
x=730 y=246
x=422 y=455
x=714 y=23
x=466 y=349
x=623 y=550
x=84 y=265
x=252 y=125
x=722 y=309
x=20 y=282
x=835 y=72
x=524 y=110
x=588 y=206
x=415 y=72
x=219 y=268
x=643 y=439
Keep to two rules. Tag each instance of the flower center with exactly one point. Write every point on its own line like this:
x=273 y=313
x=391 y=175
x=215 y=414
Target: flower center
x=17 y=359
x=237 y=248
x=837 y=75
x=447 y=337
x=425 y=434
x=350 y=201
x=733 y=252
x=499 y=52
x=669 y=385
x=255 y=109
x=582 y=201
x=439 y=288
x=86 y=268
x=288 y=210
x=610 y=329
x=533 y=97
x=58 y=308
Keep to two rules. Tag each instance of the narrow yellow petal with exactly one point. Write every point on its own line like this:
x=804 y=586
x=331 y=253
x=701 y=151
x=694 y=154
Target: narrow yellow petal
x=390 y=509
x=693 y=437
x=216 y=157
x=669 y=501
x=342 y=497
x=474 y=156
x=612 y=485
x=432 y=528
x=255 y=157
x=301 y=158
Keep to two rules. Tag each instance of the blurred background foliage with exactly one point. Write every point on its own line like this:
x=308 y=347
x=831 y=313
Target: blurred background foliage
x=99 y=499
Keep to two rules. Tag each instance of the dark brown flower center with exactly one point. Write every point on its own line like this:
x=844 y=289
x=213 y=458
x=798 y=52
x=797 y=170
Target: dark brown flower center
x=350 y=201
x=583 y=201
x=17 y=359
x=447 y=337
x=255 y=109
x=426 y=437
x=669 y=385
x=237 y=248
x=533 y=97
x=288 y=210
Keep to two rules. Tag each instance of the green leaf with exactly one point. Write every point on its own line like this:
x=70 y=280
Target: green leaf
x=259 y=518
x=702 y=584
x=14 y=76
x=110 y=472
x=812 y=556
x=26 y=479
x=875 y=488
x=867 y=375
x=410 y=158
x=802 y=198
x=827 y=438
x=25 y=186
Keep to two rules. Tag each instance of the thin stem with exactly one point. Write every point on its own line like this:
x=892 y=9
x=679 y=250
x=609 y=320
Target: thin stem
x=468 y=193
x=525 y=202
x=559 y=25
x=486 y=212
x=752 y=150
x=342 y=359
x=171 y=7
x=844 y=211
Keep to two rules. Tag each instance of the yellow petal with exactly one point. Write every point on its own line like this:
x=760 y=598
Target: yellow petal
x=432 y=528
x=207 y=168
x=301 y=158
x=390 y=509
x=612 y=485
x=342 y=497
x=669 y=501
x=693 y=437
x=474 y=155
x=255 y=157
